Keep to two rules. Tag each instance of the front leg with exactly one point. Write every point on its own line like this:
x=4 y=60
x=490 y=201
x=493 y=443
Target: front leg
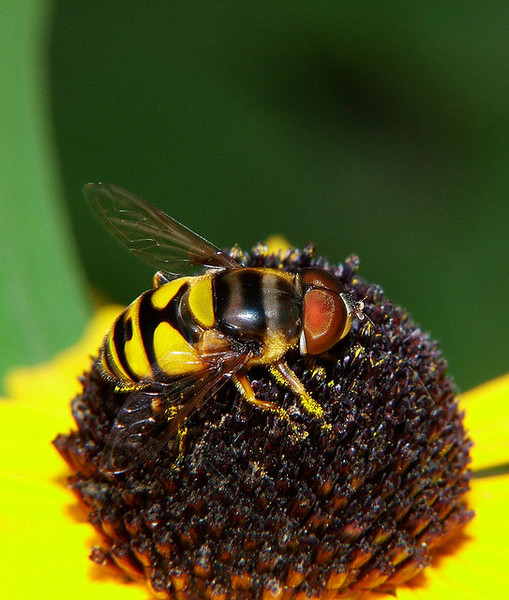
x=244 y=387
x=285 y=376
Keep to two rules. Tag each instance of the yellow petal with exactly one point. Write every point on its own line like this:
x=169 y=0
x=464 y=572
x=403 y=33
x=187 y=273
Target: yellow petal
x=277 y=243
x=487 y=420
x=45 y=537
x=476 y=567
x=52 y=384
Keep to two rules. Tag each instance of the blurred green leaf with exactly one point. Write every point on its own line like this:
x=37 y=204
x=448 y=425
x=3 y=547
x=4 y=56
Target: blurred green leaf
x=380 y=129
x=43 y=302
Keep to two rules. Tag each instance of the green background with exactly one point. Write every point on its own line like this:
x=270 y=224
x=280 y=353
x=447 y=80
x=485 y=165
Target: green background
x=380 y=129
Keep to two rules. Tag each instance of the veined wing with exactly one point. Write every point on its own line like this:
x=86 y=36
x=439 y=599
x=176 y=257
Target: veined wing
x=152 y=235
x=153 y=415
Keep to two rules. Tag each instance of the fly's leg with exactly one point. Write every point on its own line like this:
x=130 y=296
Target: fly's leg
x=244 y=387
x=286 y=377
x=160 y=279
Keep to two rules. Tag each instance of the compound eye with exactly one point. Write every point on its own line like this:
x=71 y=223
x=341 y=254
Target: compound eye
x=325 y=320
x=326 y=316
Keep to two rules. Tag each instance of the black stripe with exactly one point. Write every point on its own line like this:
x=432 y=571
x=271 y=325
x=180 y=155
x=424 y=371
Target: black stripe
x=173 y=314
x=253 y=298
x=119 y=341
x=129 y=329
x=186 y=324
x=238 y=303
x=148 y=320
x=221 y=294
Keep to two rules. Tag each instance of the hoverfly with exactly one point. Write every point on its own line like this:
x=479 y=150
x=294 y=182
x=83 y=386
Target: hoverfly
x=180 y=341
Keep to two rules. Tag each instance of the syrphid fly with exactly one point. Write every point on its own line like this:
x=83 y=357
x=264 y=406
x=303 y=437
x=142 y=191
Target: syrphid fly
x=179 y=342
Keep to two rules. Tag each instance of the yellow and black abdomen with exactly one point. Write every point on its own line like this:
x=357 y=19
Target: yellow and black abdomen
x=155 y=336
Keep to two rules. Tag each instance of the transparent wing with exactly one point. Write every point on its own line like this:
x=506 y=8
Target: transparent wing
x=150 y=417
x=151 y=234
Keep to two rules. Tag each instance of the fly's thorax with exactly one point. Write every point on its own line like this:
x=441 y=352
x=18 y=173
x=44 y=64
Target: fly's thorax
x=257 y=304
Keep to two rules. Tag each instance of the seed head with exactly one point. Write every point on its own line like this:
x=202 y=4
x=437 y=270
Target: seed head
x=244 y=508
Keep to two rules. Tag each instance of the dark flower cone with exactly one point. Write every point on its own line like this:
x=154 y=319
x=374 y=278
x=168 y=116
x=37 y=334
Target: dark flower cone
x=244 y=508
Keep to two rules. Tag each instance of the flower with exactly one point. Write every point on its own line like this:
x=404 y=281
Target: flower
x=46 y=539
x=262 y=502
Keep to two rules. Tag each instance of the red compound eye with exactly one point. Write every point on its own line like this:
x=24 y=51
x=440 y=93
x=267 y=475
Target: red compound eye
x=325 y=315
